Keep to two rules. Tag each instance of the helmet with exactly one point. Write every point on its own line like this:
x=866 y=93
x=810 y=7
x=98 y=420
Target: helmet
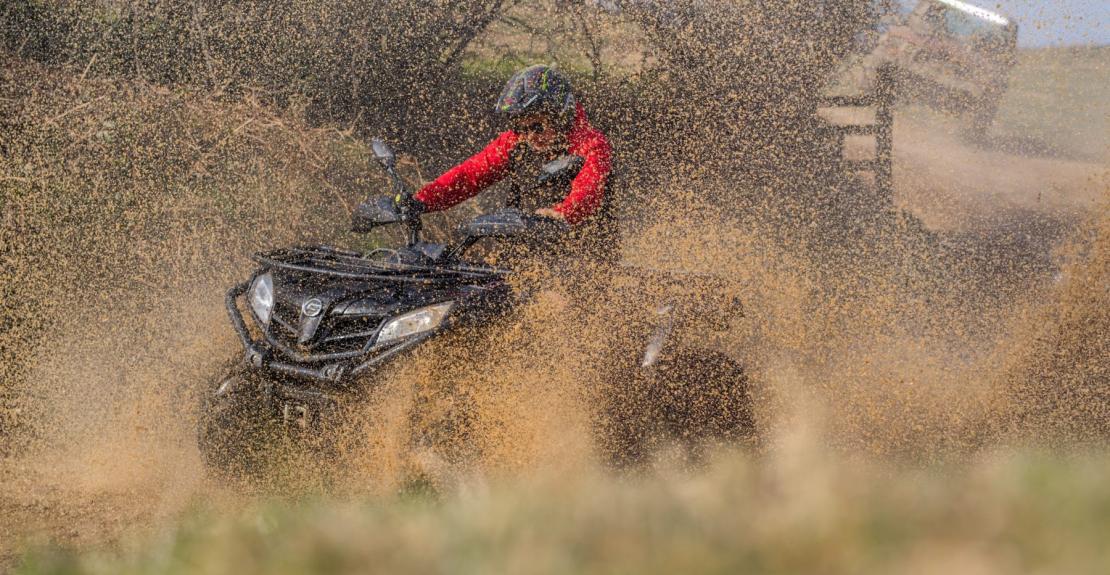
x=540 y=89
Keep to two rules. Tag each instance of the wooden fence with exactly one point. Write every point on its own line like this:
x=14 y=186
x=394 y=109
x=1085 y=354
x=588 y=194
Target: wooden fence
x=882 y=128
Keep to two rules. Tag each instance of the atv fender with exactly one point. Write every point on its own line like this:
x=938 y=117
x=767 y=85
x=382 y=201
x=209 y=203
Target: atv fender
x=234 y=423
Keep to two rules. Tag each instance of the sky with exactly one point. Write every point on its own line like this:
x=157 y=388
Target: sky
x=1040 y=22
x=1053 y=22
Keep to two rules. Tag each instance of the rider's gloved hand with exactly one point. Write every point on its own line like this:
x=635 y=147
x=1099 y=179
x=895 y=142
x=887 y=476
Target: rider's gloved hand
x=408 y=207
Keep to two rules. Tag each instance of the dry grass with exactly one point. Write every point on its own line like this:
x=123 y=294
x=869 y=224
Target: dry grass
x=800 y=514
x=1032 y=112
x=112 y=189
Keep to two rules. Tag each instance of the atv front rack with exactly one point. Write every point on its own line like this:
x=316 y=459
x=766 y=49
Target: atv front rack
x=353 y=265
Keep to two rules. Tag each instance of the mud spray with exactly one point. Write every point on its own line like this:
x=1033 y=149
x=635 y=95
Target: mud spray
x=136 y=179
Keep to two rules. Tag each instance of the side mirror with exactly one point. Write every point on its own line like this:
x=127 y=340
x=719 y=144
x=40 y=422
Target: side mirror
x=374 y=212
x=562 y=170
x=384 y=153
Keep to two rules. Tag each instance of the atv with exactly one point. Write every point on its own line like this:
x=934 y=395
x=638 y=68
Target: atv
x=319 y=325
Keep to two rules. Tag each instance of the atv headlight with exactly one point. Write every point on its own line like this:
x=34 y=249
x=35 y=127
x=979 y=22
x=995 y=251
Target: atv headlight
x=414 y=322
x=262 y=297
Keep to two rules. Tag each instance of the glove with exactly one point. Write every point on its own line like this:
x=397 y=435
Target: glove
x=408 y=207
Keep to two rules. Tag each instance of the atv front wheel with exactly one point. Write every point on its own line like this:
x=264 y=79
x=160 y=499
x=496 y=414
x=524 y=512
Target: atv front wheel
x=233 y=427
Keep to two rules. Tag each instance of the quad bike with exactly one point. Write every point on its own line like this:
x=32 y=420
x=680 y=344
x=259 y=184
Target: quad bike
x=322 y=324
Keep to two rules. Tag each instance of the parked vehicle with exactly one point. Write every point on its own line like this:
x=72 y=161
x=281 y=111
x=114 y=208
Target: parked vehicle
x=950 y=54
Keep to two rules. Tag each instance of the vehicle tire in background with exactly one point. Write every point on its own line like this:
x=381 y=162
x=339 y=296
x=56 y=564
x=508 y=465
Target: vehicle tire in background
x=695 y=400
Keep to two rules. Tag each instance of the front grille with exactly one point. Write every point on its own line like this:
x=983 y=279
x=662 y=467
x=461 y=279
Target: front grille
x=337 y=334
x=345 y=333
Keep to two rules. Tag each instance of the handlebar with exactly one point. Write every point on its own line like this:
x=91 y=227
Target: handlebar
x=379 y=211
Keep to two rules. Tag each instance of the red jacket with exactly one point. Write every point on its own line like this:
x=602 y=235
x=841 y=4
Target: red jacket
x=489 y=166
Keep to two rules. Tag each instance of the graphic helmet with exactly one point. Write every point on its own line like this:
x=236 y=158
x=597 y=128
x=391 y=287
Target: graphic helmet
x=539 y=89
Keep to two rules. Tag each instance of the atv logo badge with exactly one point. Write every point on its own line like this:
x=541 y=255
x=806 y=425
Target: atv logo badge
x=312 y=307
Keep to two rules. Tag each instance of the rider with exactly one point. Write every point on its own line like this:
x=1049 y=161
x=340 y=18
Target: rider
x=545 y=120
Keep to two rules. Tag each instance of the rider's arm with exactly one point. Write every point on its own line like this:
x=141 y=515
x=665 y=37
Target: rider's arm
x=465 y=180
x=588 y=188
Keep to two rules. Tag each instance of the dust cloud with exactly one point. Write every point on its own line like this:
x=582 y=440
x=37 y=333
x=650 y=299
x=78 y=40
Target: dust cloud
x=966 y=312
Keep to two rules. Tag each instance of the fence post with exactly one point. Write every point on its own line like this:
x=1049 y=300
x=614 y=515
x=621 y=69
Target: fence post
x=884 y=132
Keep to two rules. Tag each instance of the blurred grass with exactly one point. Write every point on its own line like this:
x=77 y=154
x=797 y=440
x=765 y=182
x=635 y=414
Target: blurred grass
x=1058 y=96
x=1055 y=105
x=1024 y=513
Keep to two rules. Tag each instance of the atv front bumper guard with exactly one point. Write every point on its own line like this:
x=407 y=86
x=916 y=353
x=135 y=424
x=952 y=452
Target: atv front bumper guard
x=258 y=355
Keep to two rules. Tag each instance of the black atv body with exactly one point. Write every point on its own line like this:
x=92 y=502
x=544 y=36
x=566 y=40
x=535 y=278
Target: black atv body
x=318 y=325
x=330 y=306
